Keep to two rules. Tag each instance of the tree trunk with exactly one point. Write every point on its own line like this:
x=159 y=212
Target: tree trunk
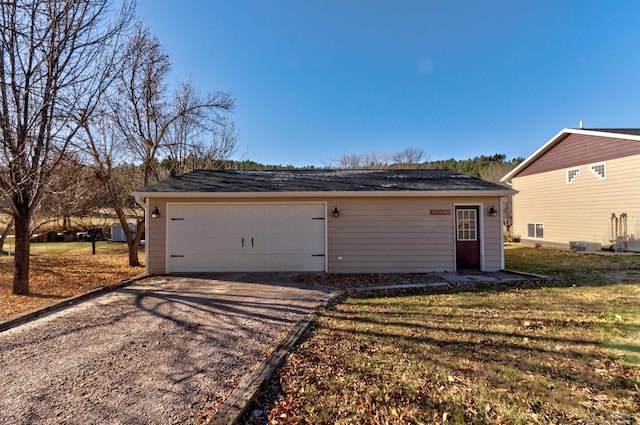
x=3 y=238
x=133 y=252
x=132 y=242
x=21 y=258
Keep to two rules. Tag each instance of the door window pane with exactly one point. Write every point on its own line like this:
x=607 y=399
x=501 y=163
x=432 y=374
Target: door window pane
x=467 y=224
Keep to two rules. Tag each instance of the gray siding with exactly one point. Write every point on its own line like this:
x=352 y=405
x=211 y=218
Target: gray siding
x=378 y=235
x=374 y=234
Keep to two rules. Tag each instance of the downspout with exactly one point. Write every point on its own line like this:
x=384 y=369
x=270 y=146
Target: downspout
x=144 y=203
x=501 y=213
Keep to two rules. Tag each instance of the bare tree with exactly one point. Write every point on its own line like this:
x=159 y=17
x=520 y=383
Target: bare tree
x=194 y=143
x=66 y=195
x=57 y=59
x=141 y=123
x=145 y=115
x=408 y=158
x=368 y=160
x=104 y=155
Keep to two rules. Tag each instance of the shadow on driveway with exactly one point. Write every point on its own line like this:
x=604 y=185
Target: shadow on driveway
x=162 y=350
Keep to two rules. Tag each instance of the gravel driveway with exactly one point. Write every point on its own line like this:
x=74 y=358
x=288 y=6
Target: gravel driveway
x=163 y=350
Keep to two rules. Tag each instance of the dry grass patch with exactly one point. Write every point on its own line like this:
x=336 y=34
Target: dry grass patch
x=576 y=268
x=55 y=276
x=521 y=356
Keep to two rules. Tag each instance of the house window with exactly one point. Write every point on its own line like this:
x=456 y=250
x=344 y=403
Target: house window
x=572 y=174
x=599 y=170
x=535 y=230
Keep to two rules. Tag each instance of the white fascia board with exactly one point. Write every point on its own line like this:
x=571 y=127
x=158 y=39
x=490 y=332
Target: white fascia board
x=341 y=194
x=557 y=138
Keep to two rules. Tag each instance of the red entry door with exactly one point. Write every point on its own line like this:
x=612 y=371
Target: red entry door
x=467 y=238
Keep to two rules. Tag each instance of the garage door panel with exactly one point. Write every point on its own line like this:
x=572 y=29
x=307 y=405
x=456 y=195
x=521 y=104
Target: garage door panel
x=293 y=246
x=246 y=237
x=278 y=262
x=205 y=263
x=221 y=245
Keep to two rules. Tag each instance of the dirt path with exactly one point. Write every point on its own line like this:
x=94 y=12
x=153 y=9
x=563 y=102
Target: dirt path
x=161 y=351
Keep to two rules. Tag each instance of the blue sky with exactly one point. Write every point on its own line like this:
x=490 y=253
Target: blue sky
x=315 y=79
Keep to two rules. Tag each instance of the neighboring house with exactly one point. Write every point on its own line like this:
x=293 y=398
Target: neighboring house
x=580 y=190
x=367 y=221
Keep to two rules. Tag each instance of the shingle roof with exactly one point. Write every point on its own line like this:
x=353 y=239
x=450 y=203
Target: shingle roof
x=322 y=181
x=630 y=131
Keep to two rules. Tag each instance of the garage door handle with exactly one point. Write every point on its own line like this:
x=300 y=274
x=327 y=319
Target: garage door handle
x=243 y=242
x=251 y=242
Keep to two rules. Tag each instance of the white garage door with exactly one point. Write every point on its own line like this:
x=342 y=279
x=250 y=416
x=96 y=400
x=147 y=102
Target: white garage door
x=245 y=237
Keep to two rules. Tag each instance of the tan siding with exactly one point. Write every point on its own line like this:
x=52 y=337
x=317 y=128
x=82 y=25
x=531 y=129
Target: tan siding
x=156 y=238
x=379 y=235
x=580 y=210
x=373 y=234
x=578 y=149
x=493 y=241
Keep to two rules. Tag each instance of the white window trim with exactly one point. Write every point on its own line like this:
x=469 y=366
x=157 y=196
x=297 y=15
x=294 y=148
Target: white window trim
x=535 y=228
x=571 y=180
x=598 y=175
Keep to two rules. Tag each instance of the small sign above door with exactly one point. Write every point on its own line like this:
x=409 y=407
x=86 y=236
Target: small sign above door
x=440 y=212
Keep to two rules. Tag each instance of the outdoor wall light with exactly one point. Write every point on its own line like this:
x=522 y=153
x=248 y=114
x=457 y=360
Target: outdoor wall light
x=492 y=211
x=336 y=211
x=155 y=213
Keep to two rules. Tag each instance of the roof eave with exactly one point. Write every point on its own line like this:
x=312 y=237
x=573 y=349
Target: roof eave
x=325 y=194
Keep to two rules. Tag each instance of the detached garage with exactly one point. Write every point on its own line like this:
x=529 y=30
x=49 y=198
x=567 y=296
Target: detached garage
x=349 y=221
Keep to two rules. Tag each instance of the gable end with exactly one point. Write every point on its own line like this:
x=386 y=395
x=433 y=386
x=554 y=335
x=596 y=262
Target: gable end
x=578 y=149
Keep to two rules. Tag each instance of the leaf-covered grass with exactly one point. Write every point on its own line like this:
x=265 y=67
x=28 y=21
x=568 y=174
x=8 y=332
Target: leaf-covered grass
x=61 y=270
x=563 y=354
x=78 y=248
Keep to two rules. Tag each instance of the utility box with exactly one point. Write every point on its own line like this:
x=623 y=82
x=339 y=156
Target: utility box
x=585 y=246
x=117 y=234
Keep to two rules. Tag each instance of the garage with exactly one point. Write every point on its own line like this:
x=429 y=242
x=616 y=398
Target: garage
x=258 y=237
x=332 y=221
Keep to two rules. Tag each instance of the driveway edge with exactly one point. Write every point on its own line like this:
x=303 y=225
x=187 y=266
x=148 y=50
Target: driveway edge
x=235 y=406
x=67 y=302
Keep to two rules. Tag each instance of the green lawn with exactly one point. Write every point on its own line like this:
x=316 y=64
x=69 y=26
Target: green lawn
x=574 y=268
x=565 y=353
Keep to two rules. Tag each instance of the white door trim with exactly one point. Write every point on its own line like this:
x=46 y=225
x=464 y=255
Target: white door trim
x=480 y=206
